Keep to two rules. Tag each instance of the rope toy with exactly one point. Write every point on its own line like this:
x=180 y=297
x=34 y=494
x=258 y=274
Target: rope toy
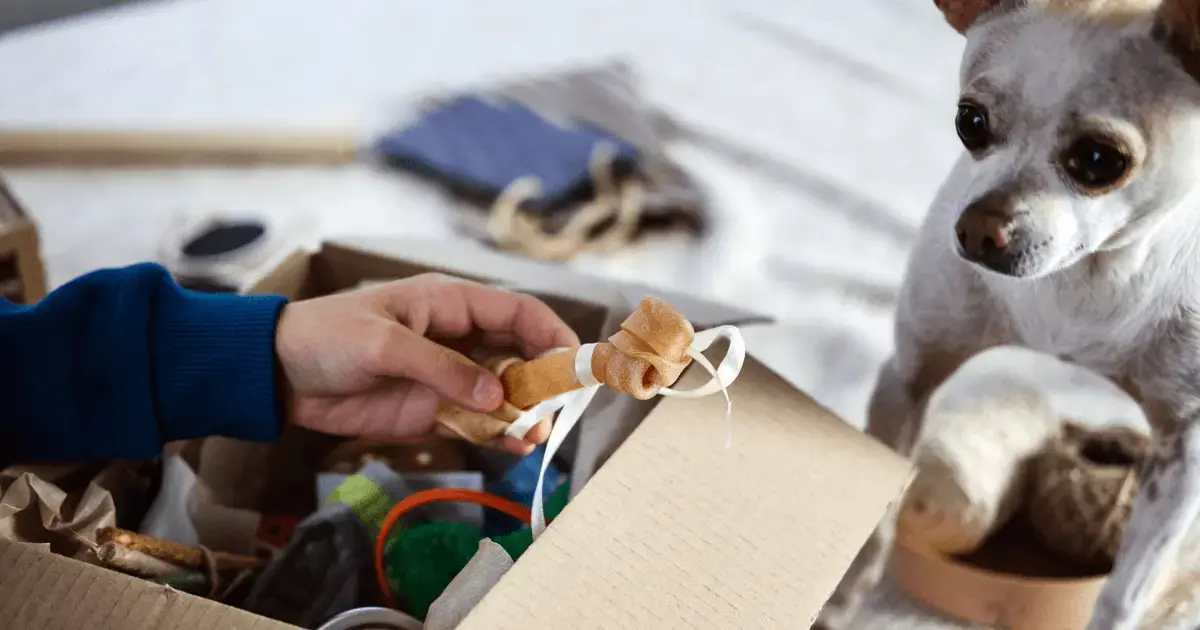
x=1085 y=484
x=643 y=359
x=620 y=203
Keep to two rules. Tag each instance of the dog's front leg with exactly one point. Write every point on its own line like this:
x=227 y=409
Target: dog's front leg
x=1166 y=507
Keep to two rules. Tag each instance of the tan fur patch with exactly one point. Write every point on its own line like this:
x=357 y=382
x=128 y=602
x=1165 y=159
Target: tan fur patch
x=961 y=14
x=1179 y=23
x=1182 y=19
x=1115 y=12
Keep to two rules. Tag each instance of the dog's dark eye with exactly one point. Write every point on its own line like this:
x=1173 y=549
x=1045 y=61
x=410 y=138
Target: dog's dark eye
x=971 y=123
x=1095 y=163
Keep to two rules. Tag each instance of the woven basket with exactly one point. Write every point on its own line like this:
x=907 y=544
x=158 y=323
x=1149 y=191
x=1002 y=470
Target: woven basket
x=1085 y=482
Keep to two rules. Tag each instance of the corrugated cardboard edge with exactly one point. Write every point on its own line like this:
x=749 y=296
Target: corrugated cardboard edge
x=48 y=592
x=472 y=260
x=675 y=531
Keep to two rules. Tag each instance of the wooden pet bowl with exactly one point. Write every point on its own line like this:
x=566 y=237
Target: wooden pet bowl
x=1012 y=582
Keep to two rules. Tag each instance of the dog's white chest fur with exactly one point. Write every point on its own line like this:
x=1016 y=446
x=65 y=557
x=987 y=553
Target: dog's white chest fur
x=1086 y=316
x=1039 y=317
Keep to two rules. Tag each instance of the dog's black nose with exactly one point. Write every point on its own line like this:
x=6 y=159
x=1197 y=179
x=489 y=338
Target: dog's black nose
x=986 y=233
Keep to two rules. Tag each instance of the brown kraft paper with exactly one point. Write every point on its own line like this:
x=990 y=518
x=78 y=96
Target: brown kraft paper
x=34 y=509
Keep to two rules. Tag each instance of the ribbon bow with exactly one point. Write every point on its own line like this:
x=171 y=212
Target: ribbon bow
x=665 y=340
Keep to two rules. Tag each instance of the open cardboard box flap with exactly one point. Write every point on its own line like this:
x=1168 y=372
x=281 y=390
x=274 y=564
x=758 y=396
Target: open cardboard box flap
x=22 y=273
x=674 y=531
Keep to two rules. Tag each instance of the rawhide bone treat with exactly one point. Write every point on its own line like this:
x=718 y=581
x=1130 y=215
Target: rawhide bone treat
x=647 y=354
x=644 y=359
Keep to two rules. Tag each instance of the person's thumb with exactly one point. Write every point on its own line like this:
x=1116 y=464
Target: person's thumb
x=453 y=376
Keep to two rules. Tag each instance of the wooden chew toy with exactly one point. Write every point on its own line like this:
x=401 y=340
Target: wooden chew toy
x=172 y=552
x=117 y=557
x=648 y=353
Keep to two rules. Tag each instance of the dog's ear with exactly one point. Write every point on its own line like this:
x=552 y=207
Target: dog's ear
x=961 y=14
x=1177 y=26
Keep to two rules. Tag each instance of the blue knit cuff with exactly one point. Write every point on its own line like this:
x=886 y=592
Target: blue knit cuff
x=214 y=365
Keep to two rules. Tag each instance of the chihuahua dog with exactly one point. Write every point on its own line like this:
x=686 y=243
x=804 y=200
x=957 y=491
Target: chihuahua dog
x=1071 y=226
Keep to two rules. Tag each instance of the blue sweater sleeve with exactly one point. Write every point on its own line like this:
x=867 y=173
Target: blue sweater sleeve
x=117 y=362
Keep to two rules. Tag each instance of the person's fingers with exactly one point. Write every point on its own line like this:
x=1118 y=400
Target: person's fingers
x=393 y=410
x=511 y=444
x=402 y=410
x=517 y=446
x=492 y=344
x=506 y=443
x=540 y=432
x=466 y=346
x=455 y=309
x=406 y=354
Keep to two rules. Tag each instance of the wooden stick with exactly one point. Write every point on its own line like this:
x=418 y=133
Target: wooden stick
x=173 y=552
x=116 y=557
x=47 y=147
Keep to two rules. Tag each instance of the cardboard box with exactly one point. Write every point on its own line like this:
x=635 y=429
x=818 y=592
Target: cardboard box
x=674 y=531
x=22 y=273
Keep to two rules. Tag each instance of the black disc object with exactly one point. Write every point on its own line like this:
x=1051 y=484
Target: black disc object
x=206 y=285
x=224 y=238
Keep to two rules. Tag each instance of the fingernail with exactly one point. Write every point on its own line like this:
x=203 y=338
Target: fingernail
x=487 y=392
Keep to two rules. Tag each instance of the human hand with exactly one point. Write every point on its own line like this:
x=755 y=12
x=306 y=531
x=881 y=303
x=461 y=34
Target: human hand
x=369 y=363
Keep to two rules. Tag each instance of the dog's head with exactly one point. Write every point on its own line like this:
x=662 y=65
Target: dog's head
x=1081 y=120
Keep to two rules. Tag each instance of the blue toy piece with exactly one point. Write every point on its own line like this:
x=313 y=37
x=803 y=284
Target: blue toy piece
x=518 y=484
x=481 y=147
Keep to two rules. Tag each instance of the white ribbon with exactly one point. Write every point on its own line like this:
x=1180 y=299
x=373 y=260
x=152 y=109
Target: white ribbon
x=572 y=404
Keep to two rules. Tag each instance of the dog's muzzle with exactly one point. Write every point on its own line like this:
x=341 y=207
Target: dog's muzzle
x=994 y=238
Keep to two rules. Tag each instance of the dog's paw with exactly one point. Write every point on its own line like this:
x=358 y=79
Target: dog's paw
x=831 y=619
x=826 y=624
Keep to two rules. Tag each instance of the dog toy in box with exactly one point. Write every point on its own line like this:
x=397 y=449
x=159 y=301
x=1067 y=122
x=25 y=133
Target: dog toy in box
x=643 y=359
x=416 y=564
x=1014 y=517
x=1085 y=483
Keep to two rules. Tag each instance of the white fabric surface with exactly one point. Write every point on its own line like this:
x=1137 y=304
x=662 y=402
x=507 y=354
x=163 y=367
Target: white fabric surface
x=822 y=128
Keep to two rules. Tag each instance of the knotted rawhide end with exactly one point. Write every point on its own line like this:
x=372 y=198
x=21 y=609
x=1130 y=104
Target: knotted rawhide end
x=472 y=426
x=623 y=373
x=481 y=428
x=651 y=350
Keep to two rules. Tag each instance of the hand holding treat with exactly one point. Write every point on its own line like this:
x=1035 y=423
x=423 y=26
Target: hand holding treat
x=379 y=362
x=643 y=359
x=646 y=355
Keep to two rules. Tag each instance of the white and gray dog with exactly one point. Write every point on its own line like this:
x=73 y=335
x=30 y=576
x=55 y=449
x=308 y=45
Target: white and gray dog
x=1070 y=225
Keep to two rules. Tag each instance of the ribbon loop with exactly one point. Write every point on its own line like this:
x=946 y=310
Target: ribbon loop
x=722 y=376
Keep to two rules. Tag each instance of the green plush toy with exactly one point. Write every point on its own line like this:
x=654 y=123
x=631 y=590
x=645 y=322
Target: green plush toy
x=421 y=561
x=517 y=542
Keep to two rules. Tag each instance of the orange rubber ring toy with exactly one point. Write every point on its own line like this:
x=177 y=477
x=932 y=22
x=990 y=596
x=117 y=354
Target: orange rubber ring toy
x=425 y=497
